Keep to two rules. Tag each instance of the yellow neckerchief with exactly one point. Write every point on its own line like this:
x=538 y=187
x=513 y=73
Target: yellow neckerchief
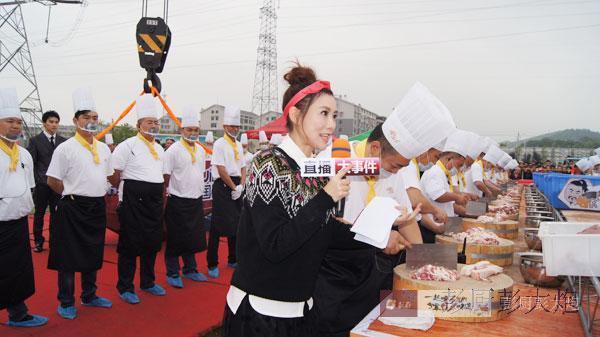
x=461 y=180
x=493 y=172
x=190 y=149
x=478 y=161
x=360 y=148
x=414 y=160
x=231 y=142
x=448 y=175
x=93 y=148
x=150 y=146
x=12 y=153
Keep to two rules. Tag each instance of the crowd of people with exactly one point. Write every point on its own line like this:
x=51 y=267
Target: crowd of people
x=584 y=166
x=298 y=271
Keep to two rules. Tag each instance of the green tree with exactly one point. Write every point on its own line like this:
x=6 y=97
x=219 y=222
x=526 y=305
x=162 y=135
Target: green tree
x=122 y=132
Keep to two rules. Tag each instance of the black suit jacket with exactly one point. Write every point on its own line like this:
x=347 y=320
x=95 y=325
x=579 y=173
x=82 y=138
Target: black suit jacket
x=41 y=150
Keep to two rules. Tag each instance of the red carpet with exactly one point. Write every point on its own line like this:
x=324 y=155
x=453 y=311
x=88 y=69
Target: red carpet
x=183 y=312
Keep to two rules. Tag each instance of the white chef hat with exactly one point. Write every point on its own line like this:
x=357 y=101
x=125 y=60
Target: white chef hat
x=594 y=160
x=108 y=139
x=473 y=146
x=190 y=117
x=209 y=138
x=262 y=137
x=145 y=107
x=9 y=103
x=584 y=164
x=493 y=154
x=458 y=142
x=83 y=100
x=244 y=139
x=504 y=159
x=345 y=137
x=511 y=165
x=419 y=122
x=231 y=115
x=597 y=151
x=276 y=139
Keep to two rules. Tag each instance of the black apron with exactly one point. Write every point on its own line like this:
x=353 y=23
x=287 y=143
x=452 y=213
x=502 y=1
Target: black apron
x=427 y=235
x=140 y=216
x=185 y=226
x=226 y=211
x=347 y=287
x=16 y=265
x=77 y=235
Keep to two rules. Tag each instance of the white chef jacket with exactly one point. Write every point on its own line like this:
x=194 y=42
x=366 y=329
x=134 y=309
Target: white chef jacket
x=435 y=184
x=223 y=155
x=387 y=185
x=134 y=159
x=186 y=178
x=74 y=165
x=15 y=187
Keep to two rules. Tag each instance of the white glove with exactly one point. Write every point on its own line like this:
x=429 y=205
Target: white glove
x=239 y=188
x=235 y=195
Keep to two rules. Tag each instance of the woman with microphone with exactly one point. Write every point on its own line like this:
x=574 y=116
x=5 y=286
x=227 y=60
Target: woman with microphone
x=286 y=221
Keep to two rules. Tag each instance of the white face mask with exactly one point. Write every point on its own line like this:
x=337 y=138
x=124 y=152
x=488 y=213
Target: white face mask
x=191 y=138
x=152 y=132
x=10 y=138
x=90 y=127
x=425 y=167
x=383 y=173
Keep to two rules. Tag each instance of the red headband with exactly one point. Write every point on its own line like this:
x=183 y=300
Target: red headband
x=311 y=89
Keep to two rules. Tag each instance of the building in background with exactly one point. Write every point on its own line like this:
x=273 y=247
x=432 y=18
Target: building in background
x=211 y=119
x=267 y=117
x=353 y=119
x=167 y=125
x=554 y=154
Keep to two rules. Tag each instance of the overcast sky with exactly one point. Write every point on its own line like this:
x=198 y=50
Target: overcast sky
x=501 y=66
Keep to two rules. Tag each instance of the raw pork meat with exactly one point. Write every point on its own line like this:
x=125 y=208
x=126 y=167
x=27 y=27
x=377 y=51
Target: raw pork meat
x=435 y=273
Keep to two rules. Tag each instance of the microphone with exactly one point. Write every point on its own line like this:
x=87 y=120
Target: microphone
x=340 y=149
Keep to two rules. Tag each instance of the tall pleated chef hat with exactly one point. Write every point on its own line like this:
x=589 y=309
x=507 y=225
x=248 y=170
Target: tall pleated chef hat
x=493 y=154
x=262 y=137
x=231 y=115
x=276 y=139
x=420 y=121
x=190 y=117
x=473 y=147
x=583 y=164
x=594 y=160
x=83 y=100
x=9 y=103
x=145 y=107
x=244 y=139
x=209 y=138
x=108 y=139
x=479 y=144
x=504 y=159
x=458 y=142
x=597 y=151
x=511 y=165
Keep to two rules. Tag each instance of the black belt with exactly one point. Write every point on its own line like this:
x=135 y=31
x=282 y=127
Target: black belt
x=81 y=197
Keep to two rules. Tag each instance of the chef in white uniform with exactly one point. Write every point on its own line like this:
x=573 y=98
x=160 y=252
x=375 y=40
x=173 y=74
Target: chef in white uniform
x=138 y=162
x=16 y=202
x=247 y=154
x=475 y=174
x=437 y=181
x=230 y=167
x=184 y=165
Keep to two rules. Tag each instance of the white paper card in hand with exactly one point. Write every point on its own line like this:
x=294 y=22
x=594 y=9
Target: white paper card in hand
x=374 y=223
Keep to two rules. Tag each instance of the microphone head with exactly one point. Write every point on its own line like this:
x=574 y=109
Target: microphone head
x=340 y=148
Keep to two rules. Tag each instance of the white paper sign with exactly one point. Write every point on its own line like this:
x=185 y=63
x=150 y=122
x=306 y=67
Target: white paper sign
x=375 y=222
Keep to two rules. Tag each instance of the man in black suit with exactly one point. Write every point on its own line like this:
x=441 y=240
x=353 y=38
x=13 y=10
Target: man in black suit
x=41 y=148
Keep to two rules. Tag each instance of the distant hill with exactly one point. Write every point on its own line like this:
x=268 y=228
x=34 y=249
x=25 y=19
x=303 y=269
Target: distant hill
x=578 y=138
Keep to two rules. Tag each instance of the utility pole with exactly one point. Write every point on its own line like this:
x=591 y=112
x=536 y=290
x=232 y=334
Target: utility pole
x=264 y=95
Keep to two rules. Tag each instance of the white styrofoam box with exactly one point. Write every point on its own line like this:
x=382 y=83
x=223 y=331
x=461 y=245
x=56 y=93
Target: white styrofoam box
x=568 y=253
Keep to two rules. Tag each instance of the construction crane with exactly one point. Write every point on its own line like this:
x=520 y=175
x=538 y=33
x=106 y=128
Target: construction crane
x=15 y=54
